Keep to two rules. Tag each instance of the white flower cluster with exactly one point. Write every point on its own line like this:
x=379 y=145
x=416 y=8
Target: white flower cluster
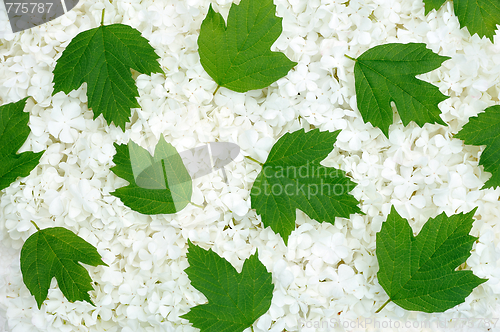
x=326 y=271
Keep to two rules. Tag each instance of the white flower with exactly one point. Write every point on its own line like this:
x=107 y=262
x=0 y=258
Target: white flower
x=339 y=283
x=434 y=172
x=410 y=207
x=305 y=48
x=250 y=142
x=388 y=10
x=331 y=249
x=354 y=138
x=277 y=110
x=301 y=79
x=405 y=184
x=85 y=196
x=41 y=86
x=66 y=122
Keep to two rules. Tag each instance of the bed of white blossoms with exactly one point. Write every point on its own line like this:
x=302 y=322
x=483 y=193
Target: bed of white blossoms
x=327 y=271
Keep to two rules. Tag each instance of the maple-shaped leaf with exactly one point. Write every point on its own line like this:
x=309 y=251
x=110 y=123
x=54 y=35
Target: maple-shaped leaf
x=102 y=57
x=157 y=184
x=55 y=252
x=419 y=272
x=387 y=73
x=292 y=178
x=238 y=56
x=479 y=16
x=484 y=130
x=14 y=131
x=235 y=300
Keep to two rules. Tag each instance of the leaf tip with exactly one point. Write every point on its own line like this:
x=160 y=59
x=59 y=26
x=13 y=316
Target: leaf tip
x=384 y=129
x=211 y=11
x=472 y=212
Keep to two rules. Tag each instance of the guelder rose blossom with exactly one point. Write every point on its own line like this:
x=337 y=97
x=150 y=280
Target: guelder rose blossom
x=66 y=121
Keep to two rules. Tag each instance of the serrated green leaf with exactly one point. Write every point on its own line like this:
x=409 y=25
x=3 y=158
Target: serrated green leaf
x=418 y=272
x=235 y=300
x=239 y=57
x=292 y=178
x=157 y=184
x=429 y=5
x=14 y=131
x=484 y=130
x=387 y=73
x=55 y=252
x=102 y=57
x=479 y=16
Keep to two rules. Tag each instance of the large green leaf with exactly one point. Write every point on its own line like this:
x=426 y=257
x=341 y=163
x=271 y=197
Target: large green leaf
x=14 y=131
x=387 y=73
x=159 y=184
x=479 y=16
x=55 y=252
x=102 y=57
x=418 y=273
x=292 y=178
x=239 y=57
x=235 y=300
x=484 y=130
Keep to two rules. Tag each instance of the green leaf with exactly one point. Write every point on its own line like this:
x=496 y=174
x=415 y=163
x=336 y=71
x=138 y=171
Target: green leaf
x=432 y=4
x=418 y=273
x=292 y=178
x=479 y=16
x=102 y=57
x=159 y=184
x=483 y=130
x=14 y=131
x=235 y=300
x=387 y=73
x=55 y=252
x=239 y=57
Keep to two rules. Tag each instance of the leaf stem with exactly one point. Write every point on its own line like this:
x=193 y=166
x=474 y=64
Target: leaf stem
x=102 y=16
x=200 y=206
x=254 y=160
x=218 y=86
x=251 y=328
x=383 y=305
x=353 y=59
x=36 y=226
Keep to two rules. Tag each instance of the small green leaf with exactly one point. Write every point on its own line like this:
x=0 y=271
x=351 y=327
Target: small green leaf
x=484 y=130
x=14 y=131
x=55 y=252
x=239 y=57
x=479 y=16
x=418 y=272
x=292 y=178
x=235 y=300
x=102 y=57
x=159 y=184
x=387 y=73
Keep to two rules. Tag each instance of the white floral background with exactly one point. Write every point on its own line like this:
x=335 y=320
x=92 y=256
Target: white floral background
x=326 y=271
